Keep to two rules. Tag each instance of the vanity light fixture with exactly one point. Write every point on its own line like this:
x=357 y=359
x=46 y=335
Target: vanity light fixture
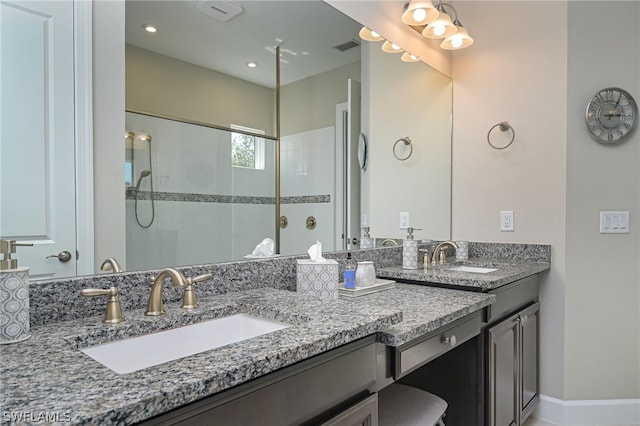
x=419 y=12
x=150 y=28
x=454 y=34
x=408 y=57
x=389 y=47
x=441 y=27
x=430 y=21
x=368 y=35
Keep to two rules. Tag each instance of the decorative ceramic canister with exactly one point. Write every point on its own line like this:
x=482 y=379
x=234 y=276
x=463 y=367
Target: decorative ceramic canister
x=410 y=254
x=365 y=274
x=462 y=252
x=14 y=305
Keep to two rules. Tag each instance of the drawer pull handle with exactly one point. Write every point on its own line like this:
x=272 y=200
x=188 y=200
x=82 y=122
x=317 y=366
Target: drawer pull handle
x=451 y=340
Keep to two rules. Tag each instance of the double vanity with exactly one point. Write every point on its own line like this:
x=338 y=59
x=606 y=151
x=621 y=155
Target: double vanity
x=300 y=360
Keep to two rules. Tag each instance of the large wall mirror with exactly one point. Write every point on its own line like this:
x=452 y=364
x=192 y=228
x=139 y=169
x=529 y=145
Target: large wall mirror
x=196 y=67
x=187 y=202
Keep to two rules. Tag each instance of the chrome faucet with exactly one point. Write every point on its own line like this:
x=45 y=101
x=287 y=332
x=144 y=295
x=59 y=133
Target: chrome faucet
x=438 y=251
x=155 y=307
x=110 y=264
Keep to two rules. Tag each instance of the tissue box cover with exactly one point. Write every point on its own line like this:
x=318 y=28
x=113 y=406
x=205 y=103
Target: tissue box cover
x=318 y=278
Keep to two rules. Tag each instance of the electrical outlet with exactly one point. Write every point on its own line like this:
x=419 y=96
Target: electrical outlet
x=507 y=222
x=404 y=220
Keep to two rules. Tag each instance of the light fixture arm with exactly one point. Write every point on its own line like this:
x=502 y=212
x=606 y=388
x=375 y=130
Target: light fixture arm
x=441 y=8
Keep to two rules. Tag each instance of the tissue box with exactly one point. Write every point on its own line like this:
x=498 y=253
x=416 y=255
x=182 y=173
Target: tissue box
x=318 y=278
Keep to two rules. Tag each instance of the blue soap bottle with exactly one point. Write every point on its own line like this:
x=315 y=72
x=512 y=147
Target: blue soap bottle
x=349 y=272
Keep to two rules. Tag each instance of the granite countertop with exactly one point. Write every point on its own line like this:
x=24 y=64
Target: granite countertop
x=424 y=309
x=47 y=375
x=507 y=271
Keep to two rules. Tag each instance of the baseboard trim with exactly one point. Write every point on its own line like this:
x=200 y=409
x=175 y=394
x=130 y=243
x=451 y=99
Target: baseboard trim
x=608 y=412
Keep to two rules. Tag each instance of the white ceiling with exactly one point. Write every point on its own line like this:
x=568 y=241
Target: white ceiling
x=306 y=30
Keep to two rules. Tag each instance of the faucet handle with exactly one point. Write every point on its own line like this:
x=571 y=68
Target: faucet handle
x=189 y=301
x=113 y=312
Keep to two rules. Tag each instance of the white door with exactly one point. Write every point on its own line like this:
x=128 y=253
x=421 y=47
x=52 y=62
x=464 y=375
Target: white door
x=37 y=165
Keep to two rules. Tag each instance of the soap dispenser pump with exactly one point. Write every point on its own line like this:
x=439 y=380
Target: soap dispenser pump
x=410 y=250
x=14 y=284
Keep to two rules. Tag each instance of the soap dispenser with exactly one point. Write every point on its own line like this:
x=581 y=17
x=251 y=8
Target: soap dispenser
x=410 y=250
x=366 y=241
x=14 y=285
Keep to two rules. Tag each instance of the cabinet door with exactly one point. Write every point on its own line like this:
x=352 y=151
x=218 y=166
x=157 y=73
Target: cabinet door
x=528 y=360
x=503 y=373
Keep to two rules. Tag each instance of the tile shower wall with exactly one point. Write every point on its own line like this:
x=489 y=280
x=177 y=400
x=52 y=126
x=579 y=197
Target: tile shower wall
x=308 y=189
x=200 y=199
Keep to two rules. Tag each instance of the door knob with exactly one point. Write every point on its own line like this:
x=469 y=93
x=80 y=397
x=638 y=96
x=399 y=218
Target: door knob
x=63 y=256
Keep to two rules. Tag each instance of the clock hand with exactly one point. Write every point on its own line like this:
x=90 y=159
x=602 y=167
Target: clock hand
x=615 y=115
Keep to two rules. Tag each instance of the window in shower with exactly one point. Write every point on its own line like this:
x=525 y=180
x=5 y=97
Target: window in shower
x=247 y=151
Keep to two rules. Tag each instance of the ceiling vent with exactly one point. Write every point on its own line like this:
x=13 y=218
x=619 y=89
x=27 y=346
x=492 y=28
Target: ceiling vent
x=348 y=45
x=220 y=10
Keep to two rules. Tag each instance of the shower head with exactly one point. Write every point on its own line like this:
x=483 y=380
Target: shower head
x=143 y=174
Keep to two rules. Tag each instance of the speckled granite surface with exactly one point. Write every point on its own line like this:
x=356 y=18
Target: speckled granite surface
x=512 y=261
x=424 y=309
x=507 y=272
x=48 y=374
x=60 y=300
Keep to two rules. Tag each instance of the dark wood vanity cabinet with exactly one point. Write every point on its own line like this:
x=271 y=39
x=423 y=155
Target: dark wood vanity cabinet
x=336 y=388
x=512 y=354
x=512 y=363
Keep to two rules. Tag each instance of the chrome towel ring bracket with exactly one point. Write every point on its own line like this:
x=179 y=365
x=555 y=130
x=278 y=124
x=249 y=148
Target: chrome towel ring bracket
x=407 y=142
x=504 y=127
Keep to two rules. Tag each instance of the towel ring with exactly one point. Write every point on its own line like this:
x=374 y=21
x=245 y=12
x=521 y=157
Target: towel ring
x=407 y=141
x=504 y=126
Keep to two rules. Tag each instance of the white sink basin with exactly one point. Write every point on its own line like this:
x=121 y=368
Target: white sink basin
x=128 y=355
x=474 y=269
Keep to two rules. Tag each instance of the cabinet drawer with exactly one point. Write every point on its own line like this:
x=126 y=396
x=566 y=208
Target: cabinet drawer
x=418 y=352
x=512 y=297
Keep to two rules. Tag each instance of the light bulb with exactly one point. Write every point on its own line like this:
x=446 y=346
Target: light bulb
x=438 y=29
x=419 y=15
x=456 y=42
x=375 y=34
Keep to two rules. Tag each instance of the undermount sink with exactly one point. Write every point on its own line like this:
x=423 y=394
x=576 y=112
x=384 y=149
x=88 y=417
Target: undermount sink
x=136 y=353
x=473 y=269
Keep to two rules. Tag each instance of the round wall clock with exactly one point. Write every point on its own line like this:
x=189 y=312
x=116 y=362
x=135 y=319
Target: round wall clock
x=612 y=114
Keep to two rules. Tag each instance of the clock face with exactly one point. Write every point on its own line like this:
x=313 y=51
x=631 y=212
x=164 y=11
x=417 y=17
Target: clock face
x=612 y=114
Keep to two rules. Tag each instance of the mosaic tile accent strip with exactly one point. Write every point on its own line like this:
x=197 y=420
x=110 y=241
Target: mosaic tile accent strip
x=225 y=199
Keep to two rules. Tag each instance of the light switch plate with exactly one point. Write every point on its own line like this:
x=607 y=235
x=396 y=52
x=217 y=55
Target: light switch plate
x=614 y=222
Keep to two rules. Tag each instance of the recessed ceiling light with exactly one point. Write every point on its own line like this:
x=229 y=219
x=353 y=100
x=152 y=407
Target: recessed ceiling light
x=252 y=64
x=149 y=28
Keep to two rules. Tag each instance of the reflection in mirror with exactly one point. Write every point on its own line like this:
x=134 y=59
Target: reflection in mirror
x=312 y=106
x=201 y=195
x=318 y=68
